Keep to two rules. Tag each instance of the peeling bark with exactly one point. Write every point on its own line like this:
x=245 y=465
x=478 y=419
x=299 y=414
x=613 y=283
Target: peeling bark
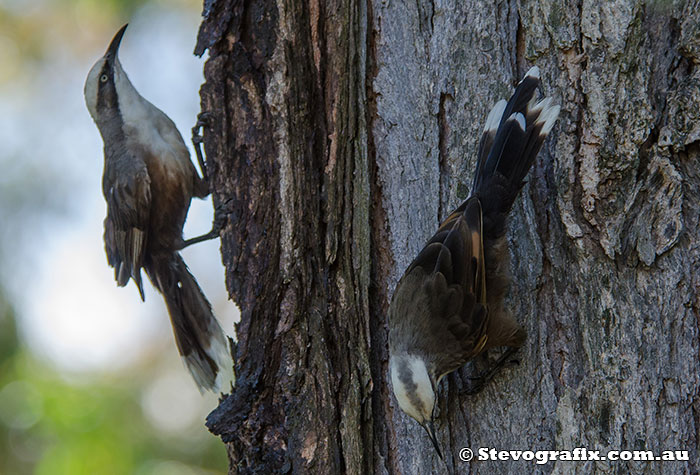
x=343 y=132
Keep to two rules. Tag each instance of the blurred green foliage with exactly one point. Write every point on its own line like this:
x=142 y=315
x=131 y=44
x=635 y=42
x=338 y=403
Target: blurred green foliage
x=30 y=29
x=51 y=426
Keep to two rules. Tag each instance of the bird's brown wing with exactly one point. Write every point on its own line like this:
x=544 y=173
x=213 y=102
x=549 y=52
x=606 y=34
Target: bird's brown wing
x=468 y=220
x=127 y=190
x=439 y=304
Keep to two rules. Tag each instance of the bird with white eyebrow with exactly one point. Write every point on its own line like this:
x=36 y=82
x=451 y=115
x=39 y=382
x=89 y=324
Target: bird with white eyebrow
x=448 y=306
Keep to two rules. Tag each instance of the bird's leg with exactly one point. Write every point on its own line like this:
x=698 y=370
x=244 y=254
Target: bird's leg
x=203 y=120
x=488 y=375
x=221 y=215
x=220 y=212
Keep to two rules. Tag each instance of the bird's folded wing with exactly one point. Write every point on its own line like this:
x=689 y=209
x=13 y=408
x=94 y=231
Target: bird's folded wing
x=441 y=297
x=128 y=195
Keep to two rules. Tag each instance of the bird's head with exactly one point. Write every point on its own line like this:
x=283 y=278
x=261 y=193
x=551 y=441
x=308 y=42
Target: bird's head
x=104 y=80
x=415 y=388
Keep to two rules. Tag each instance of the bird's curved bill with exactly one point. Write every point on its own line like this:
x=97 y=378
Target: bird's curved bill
x=116 y=41
x=430 y=429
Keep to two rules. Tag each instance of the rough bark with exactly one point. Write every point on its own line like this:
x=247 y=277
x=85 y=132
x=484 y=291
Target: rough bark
x=343 y=131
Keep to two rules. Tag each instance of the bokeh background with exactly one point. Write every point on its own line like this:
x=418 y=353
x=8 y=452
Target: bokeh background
x=90 y=379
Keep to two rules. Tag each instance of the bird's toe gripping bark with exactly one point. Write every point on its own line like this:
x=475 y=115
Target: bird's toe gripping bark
x=221 y=217
x=203 y=120
x=485 y=377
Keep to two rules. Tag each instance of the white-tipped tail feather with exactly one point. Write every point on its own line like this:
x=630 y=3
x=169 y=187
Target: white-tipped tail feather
x=520 y=119
x=537 y=108
x=533 y=72
x=514 y=133
x=202 y=343
x=219 y=351
x=494 y=118
x=549 y=116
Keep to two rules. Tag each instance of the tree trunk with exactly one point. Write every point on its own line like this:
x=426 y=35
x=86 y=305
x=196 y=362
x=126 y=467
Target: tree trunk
x=344 y=131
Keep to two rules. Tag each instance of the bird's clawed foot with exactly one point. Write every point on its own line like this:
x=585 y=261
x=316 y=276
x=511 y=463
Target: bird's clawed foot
x=486 y=376
x=221 y=216
x=203 y=120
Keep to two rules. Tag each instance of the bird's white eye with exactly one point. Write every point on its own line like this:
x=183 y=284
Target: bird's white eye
x=103 y=78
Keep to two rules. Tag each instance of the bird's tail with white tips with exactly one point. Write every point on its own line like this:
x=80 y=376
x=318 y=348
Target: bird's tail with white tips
x=202 y=343
x=512 y=137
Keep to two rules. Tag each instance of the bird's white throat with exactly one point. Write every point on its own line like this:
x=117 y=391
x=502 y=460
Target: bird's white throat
x=412 y=386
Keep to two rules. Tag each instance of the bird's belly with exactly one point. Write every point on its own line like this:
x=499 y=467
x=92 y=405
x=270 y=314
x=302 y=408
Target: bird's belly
x=171 y=191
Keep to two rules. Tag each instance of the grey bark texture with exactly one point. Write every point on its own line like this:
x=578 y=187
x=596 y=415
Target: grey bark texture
x=343 y=131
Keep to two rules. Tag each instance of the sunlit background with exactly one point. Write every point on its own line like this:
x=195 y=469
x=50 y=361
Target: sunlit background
x=90 y=379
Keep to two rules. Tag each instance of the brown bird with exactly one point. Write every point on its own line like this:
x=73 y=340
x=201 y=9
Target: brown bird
x=148 y=183
x=448 y=306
